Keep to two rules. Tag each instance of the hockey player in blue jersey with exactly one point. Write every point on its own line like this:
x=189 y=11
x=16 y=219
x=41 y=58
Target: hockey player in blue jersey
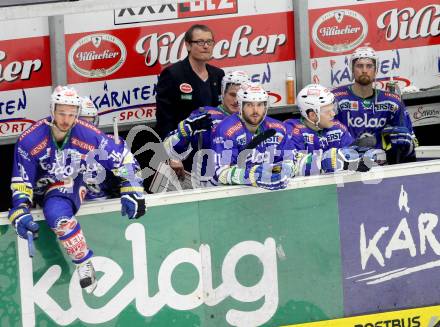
x=375 y=118
x=194 y=133
x=269 y=162
x=109 y=188
x=317 y=128
x=52 y=161
x=317 y=131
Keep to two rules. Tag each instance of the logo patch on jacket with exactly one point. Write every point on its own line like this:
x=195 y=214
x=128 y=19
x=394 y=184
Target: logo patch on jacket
x=185 y=88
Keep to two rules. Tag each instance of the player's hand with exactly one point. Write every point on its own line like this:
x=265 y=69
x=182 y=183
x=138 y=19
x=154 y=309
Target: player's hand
x=133 y=205
x=23 y=222
x=371 y=158
x=195 y=124
x=178 y=168
x=398 y=137
x=285 y=168
x=267 y=176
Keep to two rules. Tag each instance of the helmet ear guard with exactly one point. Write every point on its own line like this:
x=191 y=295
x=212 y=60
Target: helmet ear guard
x=313 y=97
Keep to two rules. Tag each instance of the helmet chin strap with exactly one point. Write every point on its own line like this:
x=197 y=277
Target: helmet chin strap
x=315 y=124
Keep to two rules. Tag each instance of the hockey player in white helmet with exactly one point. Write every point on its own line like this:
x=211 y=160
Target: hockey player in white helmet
x=89 y=112
x=317 y=131
x=375 y=118
x=195 y=131
x=251 y=148
x=51 y=161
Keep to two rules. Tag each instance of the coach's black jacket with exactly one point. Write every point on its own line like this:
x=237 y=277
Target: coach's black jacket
x=173 y=104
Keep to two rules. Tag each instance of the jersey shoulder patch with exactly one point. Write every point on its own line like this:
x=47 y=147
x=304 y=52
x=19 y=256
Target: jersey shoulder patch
x=233 y=129
x=32 y=129
x=88 y=126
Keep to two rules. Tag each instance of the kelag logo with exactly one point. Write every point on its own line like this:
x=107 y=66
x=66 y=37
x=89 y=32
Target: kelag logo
x=151 y=13
x=97 y=55
x=339 y=30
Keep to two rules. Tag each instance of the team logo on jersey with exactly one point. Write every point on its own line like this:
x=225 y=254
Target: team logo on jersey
x=39 y=147
x=185 y=88
x=97 y=55
x=348 y=105
x=241 y=140
x=308 y=138
x=339 y=30
x=83 y=145
x=334 y=136
x=364 y=121
x=276 y=139
x=386 y=106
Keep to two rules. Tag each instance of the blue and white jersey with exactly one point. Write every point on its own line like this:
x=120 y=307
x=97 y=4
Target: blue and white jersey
x=43 y=168
x=368 y=117
x=179 y=148
x=307 y=139
x=230 y=139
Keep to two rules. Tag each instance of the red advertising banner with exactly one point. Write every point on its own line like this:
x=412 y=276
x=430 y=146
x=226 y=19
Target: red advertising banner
x=384 y=26
x=25 y=63
x=144 y=51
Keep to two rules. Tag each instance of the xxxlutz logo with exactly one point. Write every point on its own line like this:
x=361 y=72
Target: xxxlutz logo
x=137 y=290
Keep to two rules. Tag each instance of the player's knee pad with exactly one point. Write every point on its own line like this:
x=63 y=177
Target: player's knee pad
x=60 y=218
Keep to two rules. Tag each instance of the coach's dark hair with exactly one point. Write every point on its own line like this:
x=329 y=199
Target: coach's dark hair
x=189 y=32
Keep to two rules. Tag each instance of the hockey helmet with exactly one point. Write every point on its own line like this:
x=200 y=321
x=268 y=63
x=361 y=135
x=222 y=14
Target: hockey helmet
x=252 y=92
x=237 y=77
x=64 y=95
x=364 y=53
x=88 y=109
x=313 y=97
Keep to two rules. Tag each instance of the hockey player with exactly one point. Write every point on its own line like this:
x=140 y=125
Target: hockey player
x=317 y=128
x=195 y=131
x=317 y=131
x=268 y=163
x=52 y=160
x=109 y=188
x=89 y=112
x=373 y=117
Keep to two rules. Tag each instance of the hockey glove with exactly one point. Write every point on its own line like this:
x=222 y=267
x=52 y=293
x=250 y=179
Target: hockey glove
x=285 y=168
x=397 y=138
x=265 y=177
x=23 y=222
x=371 y=158
x=195 y=124
x=133 y=205
x=334 y=160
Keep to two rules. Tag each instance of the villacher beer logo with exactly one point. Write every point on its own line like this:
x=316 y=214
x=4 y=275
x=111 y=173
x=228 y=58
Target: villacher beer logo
x=97 y=55
x=339 y=30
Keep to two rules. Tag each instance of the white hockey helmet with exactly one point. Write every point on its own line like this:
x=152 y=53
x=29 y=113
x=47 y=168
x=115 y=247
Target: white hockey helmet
x=251 y=92
x=364 y=53
x=64 y=95
x=236 y=77
x=88 y=109
x=313 y=97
